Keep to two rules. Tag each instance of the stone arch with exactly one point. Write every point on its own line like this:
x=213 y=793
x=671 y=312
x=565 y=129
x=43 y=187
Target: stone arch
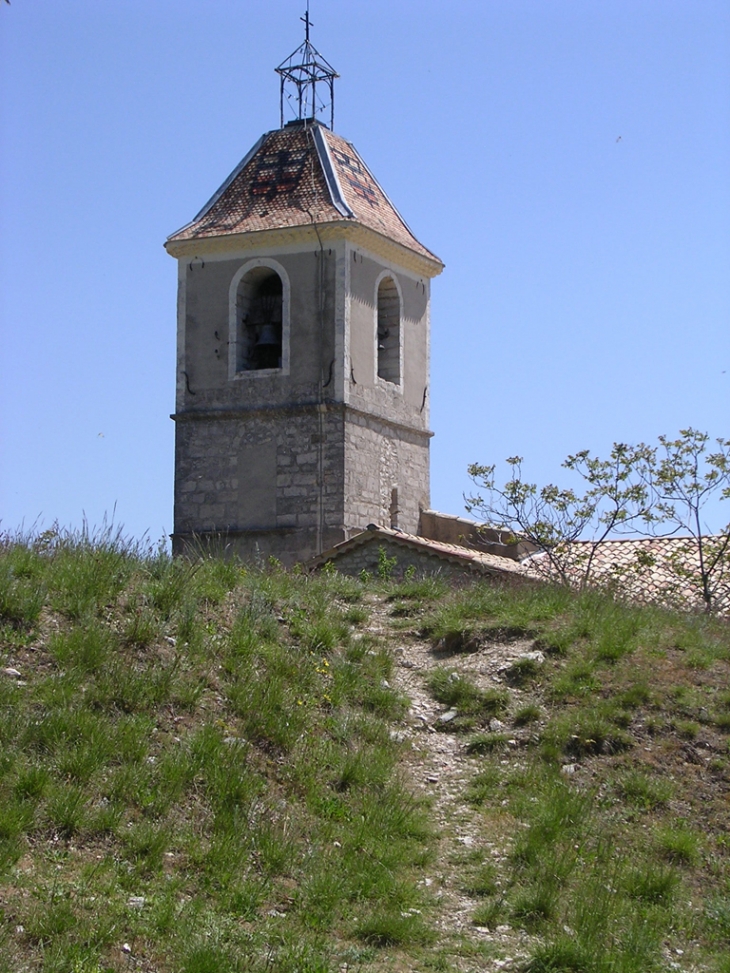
x=388 y=333
x=259 y=300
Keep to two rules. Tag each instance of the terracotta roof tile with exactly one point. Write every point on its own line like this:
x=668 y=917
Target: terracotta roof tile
x=650 y=569
x=297 y=176
x=641 y=569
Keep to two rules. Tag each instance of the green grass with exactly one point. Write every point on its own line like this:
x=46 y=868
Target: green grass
x=210 y=741
x=474 y=706
x=623 y=723
x=198 y=761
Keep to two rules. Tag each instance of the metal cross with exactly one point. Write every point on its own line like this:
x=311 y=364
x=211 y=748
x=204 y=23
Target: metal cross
x=307 y=22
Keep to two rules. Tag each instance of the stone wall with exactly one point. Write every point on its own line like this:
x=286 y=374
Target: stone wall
x=450 y=529
x=244 y=477
x=380 y=458
x=207 y=330
x=366 y=557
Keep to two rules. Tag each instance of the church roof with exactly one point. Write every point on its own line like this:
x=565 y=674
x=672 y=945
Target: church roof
x=465 y=558
x=300 y=175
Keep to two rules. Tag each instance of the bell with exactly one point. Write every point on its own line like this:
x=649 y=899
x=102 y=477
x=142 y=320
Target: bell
x=267 y=335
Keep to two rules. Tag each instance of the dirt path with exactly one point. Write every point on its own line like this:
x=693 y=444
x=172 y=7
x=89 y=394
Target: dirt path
x=439 y=768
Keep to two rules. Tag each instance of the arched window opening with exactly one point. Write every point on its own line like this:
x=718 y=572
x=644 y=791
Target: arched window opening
x=259 y=306
x=388 y=331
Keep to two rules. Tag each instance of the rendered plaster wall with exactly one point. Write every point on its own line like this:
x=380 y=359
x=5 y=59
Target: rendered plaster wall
x=378 y=459
x=407 y=403
x=206 y=329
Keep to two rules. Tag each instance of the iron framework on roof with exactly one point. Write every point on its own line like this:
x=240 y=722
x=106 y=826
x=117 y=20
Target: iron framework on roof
x=305 y=69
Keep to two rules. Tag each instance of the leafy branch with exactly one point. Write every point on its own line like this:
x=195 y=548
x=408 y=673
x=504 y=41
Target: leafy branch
x=646 y=490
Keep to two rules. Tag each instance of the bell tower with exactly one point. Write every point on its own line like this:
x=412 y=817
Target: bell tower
x=303 y=345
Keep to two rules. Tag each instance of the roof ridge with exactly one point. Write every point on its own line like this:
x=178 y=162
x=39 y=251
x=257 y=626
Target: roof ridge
x=302 y=176
x=330 y=173
x=387 y=198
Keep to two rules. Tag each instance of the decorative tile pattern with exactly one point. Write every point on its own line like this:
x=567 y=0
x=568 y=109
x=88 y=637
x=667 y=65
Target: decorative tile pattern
x=284 y=185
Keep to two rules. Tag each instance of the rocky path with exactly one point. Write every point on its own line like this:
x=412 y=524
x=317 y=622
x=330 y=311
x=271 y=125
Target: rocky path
x=439 y=768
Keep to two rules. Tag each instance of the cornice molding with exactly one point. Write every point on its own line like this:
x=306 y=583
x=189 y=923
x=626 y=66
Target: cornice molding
x=300 y=408
x=311 y=233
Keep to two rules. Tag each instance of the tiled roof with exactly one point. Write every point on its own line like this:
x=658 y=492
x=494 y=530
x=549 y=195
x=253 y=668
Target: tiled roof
x=641 y=569
x=471 y=560
x=297 y=176
x=655 y=569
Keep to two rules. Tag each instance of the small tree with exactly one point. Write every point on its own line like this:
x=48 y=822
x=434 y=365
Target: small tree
x=681 y=476
x=646 y=490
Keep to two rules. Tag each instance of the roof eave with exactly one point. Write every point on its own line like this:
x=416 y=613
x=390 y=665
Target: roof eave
x=427 y=265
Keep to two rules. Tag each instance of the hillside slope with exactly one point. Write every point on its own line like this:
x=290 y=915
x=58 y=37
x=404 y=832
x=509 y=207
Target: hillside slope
x=206 y=767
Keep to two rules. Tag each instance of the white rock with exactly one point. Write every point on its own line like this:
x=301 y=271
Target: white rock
x=12 y=673
x=535 y=656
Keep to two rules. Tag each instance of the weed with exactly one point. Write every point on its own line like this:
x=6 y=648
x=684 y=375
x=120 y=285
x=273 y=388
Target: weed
x=21 y=593
x=429 y=590
x=562 y=956
x=217 y=741
x=678 y=844
x=533 y=906
x=652 y=884
x=490 y=912
x=530 y=713
x=638 y=694
x=584 y=732
x=486 y=743
x=356 y=615
x=451 y=689
x=393 y=928
x=483 y=882
x=522 y=671
x=577 y=680
x=687 y=729
x=644 y=792
x=386 y=565
x=86 y=648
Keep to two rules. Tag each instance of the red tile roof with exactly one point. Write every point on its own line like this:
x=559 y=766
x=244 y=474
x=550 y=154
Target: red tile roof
x=471 y=560
x=653 y=570
x=297 y=176
x=650 y=569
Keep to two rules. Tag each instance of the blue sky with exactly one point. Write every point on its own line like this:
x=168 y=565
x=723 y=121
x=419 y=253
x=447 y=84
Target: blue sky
x=567 y=160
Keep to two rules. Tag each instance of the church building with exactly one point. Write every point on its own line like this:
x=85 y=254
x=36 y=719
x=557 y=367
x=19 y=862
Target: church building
x=302 y=409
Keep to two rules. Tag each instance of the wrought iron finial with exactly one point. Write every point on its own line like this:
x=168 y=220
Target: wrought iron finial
x=304 y=70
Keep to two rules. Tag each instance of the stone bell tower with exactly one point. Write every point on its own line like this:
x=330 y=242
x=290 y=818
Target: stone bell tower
x=303 y=346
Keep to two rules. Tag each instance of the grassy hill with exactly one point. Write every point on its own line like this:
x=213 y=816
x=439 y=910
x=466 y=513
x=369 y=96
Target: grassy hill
x=208 y=768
